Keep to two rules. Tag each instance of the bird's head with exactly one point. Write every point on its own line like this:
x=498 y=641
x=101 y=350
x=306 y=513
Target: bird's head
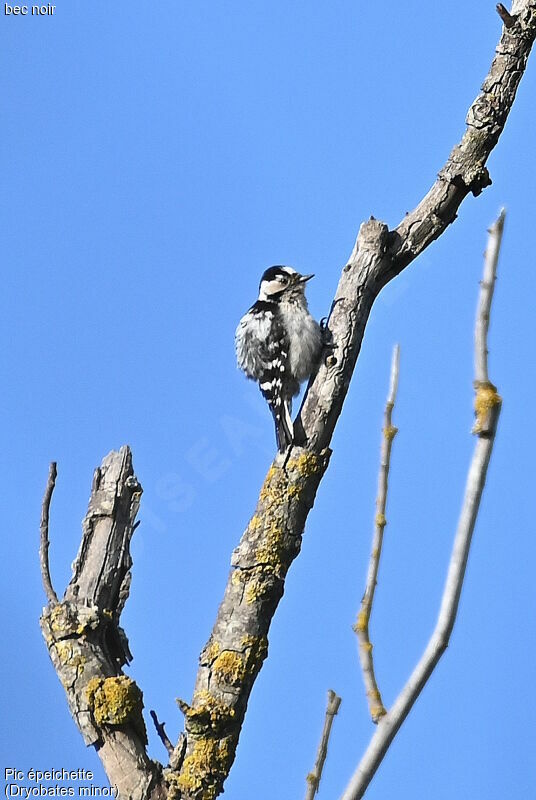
x=278 y=282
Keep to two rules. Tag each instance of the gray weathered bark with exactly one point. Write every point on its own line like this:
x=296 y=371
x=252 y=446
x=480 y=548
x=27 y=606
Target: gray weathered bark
x=87 y=645
x=256 y=582
x=83 y=633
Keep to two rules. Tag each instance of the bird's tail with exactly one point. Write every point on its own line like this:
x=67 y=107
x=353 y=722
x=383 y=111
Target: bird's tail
x=284 y=428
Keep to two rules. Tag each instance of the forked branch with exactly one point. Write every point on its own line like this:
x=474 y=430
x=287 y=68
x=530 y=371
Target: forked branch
x=85 y=625
x=88 y=647
x=390 y=724
x=361 y=627
x=233 y=655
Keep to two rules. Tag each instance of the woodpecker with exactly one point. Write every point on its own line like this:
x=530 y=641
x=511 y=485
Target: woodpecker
x=278 y=344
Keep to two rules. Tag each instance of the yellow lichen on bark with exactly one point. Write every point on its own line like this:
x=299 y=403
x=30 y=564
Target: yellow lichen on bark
x=377 y=709
x=485 y=399
x=271 y=551
x=256 y=652
x=390 y=432
x=206 y=710
x=254 y=590
x=274 y=487
x=211 y=652
x=203 y=769
x=255 y=523
x=229 y=667
x=361 y=622
x=116 y=701
x=305 y=465
x=68 y=654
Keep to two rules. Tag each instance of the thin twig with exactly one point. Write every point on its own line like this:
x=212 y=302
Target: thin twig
x=161 y=731
x=313 y=779
x=390 y=724
x=486 y=393
x=52 y=597
x=376 y=707
x=508 y=20
x=491 y=257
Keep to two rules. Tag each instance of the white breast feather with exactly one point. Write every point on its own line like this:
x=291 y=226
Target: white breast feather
x=252 y=331
x=305 y=340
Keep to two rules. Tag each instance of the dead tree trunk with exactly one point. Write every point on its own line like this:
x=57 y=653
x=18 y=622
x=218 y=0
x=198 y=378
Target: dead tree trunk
x=82 y=632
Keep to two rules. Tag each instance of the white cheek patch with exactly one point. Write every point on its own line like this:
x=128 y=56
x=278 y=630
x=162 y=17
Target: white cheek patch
x=269 y=288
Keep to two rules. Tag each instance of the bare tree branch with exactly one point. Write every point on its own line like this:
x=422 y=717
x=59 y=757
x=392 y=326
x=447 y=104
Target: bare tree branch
x=508 y=20
x=380 y=254
x=390 y=724
x=486 y=392
x=161 y=731
x=52 y=597
x=87 y=645
x=314 y=777
x=237 y=646
x=361 y=627
x=85 y=641
x=486 y=296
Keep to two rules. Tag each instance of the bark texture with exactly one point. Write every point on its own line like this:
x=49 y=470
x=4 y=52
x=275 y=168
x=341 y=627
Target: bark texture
x=85 y=641
x=86 y=644
x=238 y=644
x=378 y=256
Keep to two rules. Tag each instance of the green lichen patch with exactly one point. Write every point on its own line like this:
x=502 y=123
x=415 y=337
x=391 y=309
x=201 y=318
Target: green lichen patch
x=255 y=590
x=116 y=701
x=282 y=484
x=272 y=550
x=172 y=779
x=207 y=712
x=255 y=523
x=229 y=668
x=377 y=709
x=390 y=432
x=306 y=464
x=257 y=581
x=256 y=651
x=69 y=655
x=295 y=490
x=205 y=768
x=233 y=667
x=485 y=399
x=210 y=652
x=66 y=620
x=274 y=487
x=362 y=621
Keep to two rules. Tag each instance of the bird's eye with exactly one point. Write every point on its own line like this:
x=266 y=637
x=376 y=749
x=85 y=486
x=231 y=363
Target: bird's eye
x=282 y=279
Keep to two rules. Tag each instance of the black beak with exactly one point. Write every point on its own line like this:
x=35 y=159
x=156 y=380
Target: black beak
x=305 y=278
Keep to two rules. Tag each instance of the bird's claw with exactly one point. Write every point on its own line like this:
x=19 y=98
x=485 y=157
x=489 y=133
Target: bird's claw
x=327 y=339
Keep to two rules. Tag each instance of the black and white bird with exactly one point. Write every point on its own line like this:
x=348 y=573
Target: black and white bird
x=278 y=344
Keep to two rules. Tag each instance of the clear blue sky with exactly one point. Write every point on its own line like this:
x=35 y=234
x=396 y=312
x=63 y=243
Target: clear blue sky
x=156 y=158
